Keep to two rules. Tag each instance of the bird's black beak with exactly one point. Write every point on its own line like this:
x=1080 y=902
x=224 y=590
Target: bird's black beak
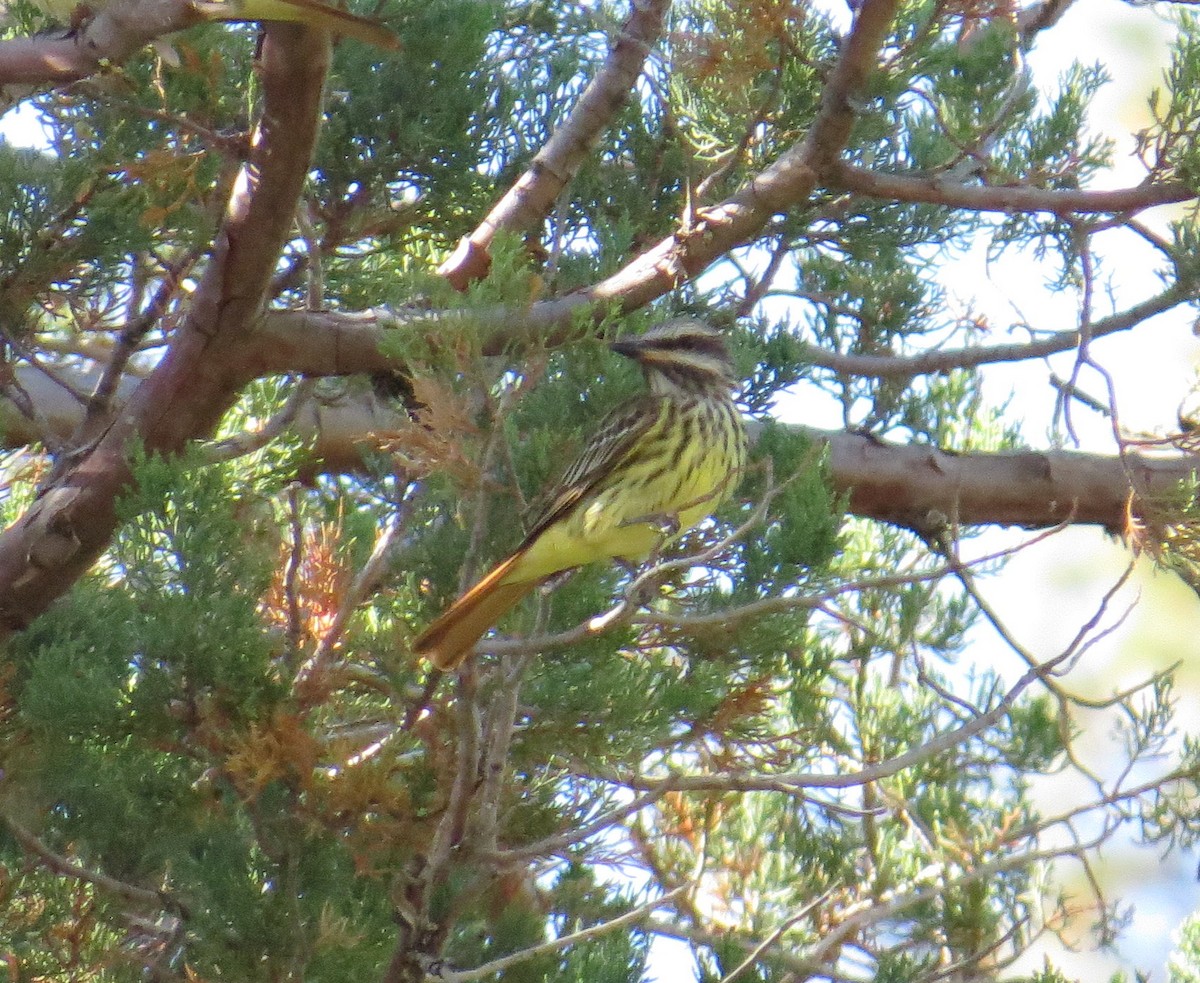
x=629 y=347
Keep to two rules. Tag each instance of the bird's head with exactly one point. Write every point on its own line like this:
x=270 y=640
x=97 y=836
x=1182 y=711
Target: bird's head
x=682 y=353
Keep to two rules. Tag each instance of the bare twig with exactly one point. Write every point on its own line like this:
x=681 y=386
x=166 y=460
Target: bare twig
x=99 y=404
x=295 y=629
x=1007 y=199
x=556 y=844
x=632 y=917
x=757 y=952
x=239 y=445
x=71 y=868
x=791 y=783
x=625 y=612
x=900 y=367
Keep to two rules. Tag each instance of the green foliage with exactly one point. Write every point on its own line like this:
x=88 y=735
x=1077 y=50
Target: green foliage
x=222 y=734
x=1185 y=961
x=383 y=131
x=801 y=532
x=36 y=907
x=1177 y=110
x=146 y=721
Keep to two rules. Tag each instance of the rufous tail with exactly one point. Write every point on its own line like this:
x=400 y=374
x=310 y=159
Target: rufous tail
x=453 y=635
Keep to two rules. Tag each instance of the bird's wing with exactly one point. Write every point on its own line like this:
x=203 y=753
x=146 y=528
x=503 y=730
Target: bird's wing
x=617 y=435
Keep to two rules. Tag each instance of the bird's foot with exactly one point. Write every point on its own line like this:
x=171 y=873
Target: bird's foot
x=556 y=580
x=667 y=523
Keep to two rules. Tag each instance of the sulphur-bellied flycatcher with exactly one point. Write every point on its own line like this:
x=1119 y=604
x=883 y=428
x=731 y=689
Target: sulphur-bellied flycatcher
x=663 y=461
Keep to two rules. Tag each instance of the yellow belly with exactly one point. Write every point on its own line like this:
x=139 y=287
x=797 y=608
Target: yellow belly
x=626 y=517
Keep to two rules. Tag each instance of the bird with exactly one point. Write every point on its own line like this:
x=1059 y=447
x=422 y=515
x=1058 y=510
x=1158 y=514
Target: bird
x=311 y=12
x=655 y=467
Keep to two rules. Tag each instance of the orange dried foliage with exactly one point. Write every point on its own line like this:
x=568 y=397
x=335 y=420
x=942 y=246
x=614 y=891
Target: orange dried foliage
x=746 y=864
x=1136 y=532
x=29 y=469
x=436 y=729
x=434 y=441
x=739 y=47
x=683 y=818
x=321 y=581
x=335 y=931
x=743 y=703
x=281 y=749
x=370 y=808
x=170 y=178
x=210 y=65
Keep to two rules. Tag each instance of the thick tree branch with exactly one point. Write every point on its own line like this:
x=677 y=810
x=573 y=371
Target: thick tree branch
x=117 y=30
x=784 y=184
x=924 y=487
x=914 y=486
x=70 y=524
x=529 y=201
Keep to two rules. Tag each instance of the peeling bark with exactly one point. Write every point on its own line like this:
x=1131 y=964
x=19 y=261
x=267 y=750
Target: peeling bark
x=73 y=519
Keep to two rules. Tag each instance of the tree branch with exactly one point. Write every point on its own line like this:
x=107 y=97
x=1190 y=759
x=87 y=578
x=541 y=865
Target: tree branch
x=916 y=486
x=903 y=367
x=117 y=30
x=70 y=524
x=632 y=917
x=990 y=198
x=909 y=485
x=530 y=199
x=792 y=783
x=70 y=868
x=785 y=183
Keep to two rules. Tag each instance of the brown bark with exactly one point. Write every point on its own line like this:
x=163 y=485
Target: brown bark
x=116 y=30
x=530 y=199
x=914 y=486
x=924 y=488
x=73 y=519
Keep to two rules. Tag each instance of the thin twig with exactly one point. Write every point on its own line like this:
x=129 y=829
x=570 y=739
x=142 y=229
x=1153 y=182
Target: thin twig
x=790 y=783
x=757 y=952
x=556 y=844
x=71 y=868
x=295 y=625
x=241 y=444
x=631 y=917
x=99 y=404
